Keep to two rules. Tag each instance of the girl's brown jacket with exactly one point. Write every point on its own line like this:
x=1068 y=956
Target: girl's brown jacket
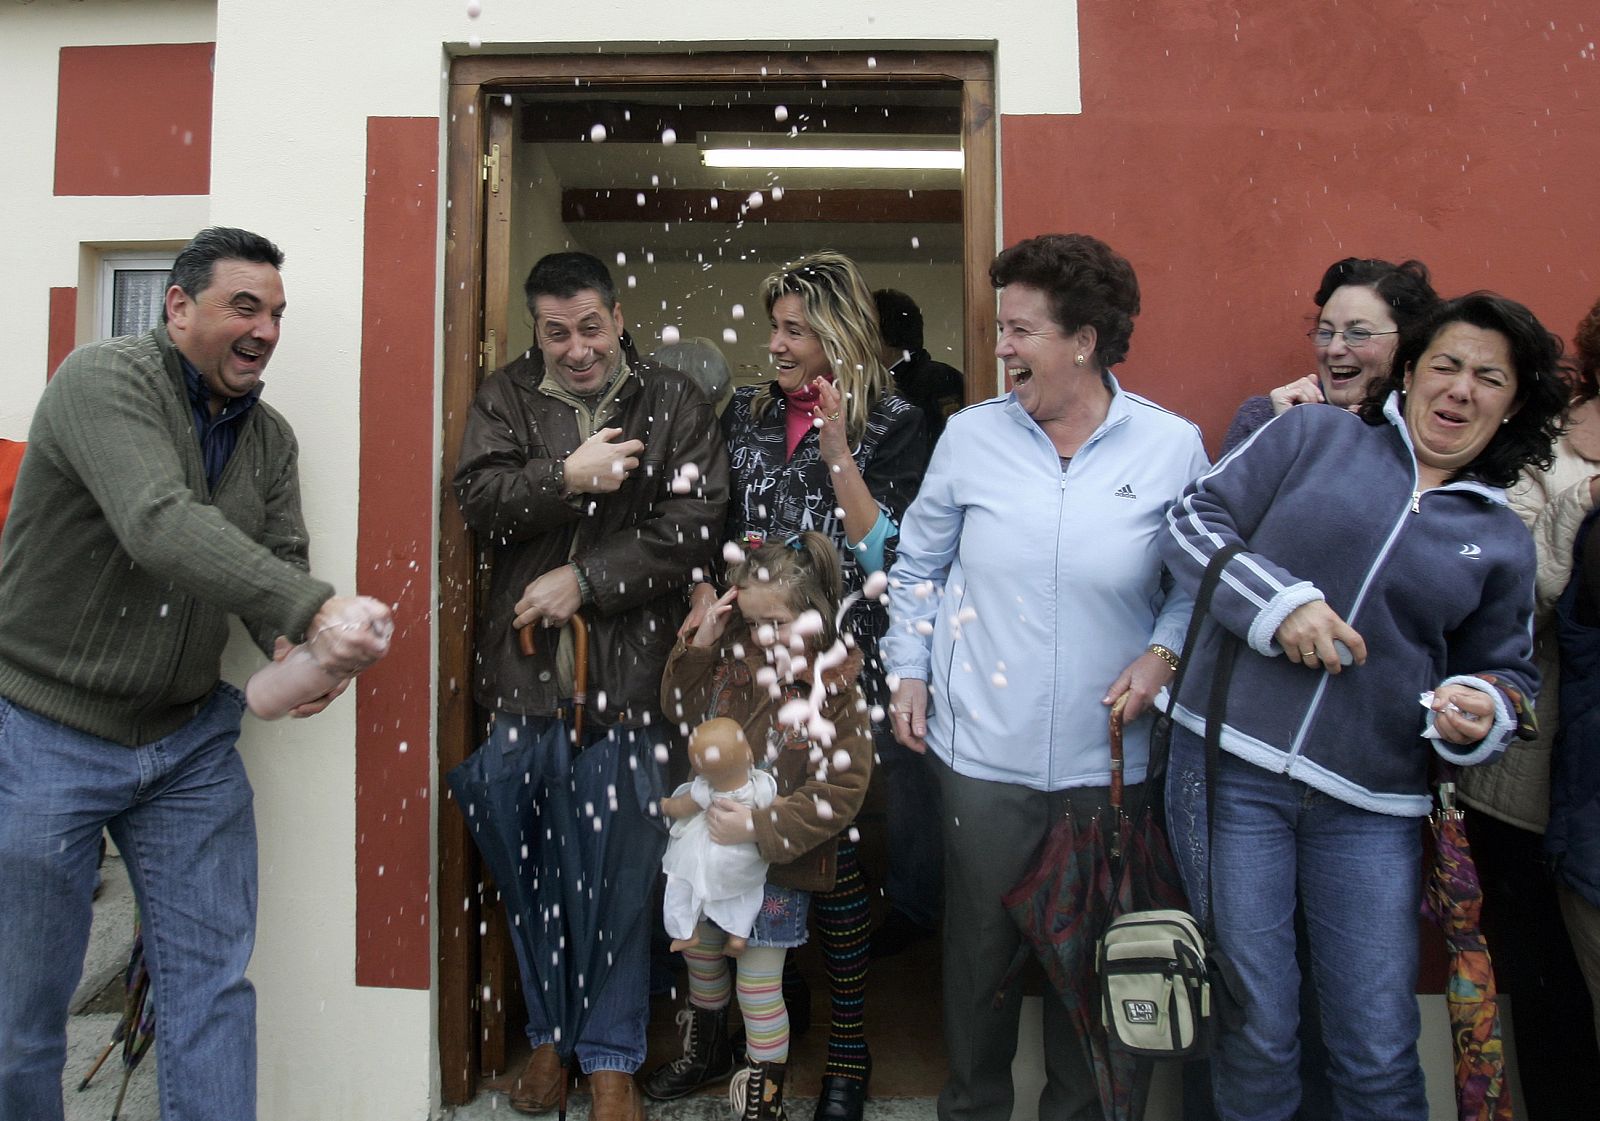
x=796 y=834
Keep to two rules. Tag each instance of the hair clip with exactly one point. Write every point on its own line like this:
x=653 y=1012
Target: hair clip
x=752 y=541
x=795 y=543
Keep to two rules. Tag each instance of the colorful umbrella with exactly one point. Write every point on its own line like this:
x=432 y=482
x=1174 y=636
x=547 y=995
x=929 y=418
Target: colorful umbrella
x=1453 y=898
x=136 y=1031
x=1074 y=888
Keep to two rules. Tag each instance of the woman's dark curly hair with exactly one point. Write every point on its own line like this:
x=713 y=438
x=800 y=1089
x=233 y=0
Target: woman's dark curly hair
x=1086 y=281
x=1404 y=287
x=1586 y=365
x=1541 y=394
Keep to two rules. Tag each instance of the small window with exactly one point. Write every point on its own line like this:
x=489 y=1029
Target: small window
x=132 y=289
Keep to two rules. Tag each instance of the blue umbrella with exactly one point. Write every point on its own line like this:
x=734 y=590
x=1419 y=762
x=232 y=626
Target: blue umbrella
x=576 y=877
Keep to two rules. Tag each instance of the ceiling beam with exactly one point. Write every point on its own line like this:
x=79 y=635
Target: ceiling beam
x=619 y=204
x=557 y=122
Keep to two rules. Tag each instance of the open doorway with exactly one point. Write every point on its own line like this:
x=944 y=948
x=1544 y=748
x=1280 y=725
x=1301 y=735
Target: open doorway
x=609 y=154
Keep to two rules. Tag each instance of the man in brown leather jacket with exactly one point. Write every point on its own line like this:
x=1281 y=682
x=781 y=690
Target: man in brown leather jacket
x=599 y=483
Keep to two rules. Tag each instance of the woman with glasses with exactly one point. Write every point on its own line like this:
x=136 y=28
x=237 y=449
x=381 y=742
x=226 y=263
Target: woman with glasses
x=1027 y=597
x=1368 y=626
x=824 y=446
x=1363 y=305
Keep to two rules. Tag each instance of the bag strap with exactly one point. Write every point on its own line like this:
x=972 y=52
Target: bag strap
x=1159 y=744
x=1216 y=715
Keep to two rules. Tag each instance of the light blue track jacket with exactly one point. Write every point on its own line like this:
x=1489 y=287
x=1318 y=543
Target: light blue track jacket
x=1022 y=591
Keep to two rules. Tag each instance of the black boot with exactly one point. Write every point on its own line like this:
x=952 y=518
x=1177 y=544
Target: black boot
x=706 y=1056
x=756 y=1092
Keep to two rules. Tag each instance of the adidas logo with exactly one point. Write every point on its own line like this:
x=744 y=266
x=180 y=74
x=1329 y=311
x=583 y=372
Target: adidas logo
x=1125 y=491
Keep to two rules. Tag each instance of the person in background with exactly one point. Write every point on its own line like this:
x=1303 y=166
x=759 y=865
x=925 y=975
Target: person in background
x=827 y=446
x=159 y=496
x=1410 y=579
x=932 y=386
x=915 y=881
x=565 y=473
x=1363 y=305
x=1027 y=597
x=705 y=364
x=1511 y=802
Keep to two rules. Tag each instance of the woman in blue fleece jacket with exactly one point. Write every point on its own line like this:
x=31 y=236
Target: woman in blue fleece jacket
x=1382 y=540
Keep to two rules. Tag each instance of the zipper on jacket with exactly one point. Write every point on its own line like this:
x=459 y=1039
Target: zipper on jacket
x=1416 y=502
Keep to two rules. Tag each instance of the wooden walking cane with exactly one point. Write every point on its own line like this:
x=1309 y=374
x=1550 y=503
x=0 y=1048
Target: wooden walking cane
x=580 y=656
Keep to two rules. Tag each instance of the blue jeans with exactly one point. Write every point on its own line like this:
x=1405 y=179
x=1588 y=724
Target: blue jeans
x=180 y=811
x=613 y=1036
x=1357 y=874
x=915 y=880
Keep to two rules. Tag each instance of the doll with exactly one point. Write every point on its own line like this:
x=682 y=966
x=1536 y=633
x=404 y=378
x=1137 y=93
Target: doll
x=722 y=883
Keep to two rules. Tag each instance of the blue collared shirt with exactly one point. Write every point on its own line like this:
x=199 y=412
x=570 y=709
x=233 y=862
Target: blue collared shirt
x=219 y=434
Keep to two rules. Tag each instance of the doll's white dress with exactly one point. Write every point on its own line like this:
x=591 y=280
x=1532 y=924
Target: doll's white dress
x=704 y=879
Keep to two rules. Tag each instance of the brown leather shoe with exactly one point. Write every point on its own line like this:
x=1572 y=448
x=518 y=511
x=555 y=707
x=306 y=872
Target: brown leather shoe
x=538 y=1088
x=616 y=1097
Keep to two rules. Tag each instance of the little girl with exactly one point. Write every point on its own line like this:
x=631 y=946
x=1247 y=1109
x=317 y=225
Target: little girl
x=780 y=652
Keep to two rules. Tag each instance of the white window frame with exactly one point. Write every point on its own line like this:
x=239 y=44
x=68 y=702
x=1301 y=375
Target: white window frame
x=115 y=261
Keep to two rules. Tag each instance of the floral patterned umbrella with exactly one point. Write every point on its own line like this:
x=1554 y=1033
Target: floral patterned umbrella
x=1062 y=905
x=1453 y=899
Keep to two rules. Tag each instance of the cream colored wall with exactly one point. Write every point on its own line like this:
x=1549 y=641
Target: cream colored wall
x=296 y=81
x=42 y=233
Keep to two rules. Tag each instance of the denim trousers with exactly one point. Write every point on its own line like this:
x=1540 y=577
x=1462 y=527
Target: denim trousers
x=1357 y=875
x=180 y=811
x=613 y=1035
x=915 y=879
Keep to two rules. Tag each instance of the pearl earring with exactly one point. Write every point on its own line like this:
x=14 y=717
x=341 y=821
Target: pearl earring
x=1078 y=361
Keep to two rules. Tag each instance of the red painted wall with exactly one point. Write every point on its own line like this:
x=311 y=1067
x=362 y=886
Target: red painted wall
x=1233 y=153
x=394 y=550
x=134 y=120
x=63 y=334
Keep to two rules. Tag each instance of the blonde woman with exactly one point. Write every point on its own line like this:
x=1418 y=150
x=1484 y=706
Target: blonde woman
x=827 y=447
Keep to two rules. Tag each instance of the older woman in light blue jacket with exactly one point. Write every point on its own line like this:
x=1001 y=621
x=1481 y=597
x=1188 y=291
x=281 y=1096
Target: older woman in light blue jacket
x=1028 y=595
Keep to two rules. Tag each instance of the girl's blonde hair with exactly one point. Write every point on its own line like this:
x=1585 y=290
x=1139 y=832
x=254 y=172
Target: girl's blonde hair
x=840 y=309
x=806 y=568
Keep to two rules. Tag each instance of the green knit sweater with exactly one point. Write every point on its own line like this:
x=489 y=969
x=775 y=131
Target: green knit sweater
x=119 y=566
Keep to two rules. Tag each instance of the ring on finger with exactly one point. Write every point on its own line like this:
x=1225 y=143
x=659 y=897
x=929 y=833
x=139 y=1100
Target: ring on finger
x=1308 y=653
x=833 y=416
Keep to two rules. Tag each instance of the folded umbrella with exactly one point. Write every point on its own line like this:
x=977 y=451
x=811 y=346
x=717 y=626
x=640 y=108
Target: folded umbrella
x=575 y=874
x=1083 y=877
x=136 y=1030
x=1453 y=899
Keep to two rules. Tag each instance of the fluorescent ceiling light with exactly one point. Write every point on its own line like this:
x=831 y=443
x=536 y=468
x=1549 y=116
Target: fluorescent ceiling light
x=929 y=159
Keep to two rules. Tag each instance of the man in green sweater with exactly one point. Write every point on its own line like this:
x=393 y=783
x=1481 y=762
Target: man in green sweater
x=158 y=496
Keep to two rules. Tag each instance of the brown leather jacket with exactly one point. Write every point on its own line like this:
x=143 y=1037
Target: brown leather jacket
x=798 y=835
x=636 y=548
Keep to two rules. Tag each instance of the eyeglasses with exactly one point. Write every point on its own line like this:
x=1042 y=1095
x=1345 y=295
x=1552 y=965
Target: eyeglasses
x=1354 y=337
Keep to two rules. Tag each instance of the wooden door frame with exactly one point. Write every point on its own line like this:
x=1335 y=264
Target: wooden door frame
x=472 y=127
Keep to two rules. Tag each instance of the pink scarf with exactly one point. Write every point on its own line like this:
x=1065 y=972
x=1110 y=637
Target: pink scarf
x=799 y=417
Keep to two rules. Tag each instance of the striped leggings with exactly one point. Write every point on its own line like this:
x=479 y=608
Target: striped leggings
x=759 y=984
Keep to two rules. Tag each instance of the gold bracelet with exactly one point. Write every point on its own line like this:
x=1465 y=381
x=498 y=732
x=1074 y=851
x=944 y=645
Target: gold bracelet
x=1165 y=655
